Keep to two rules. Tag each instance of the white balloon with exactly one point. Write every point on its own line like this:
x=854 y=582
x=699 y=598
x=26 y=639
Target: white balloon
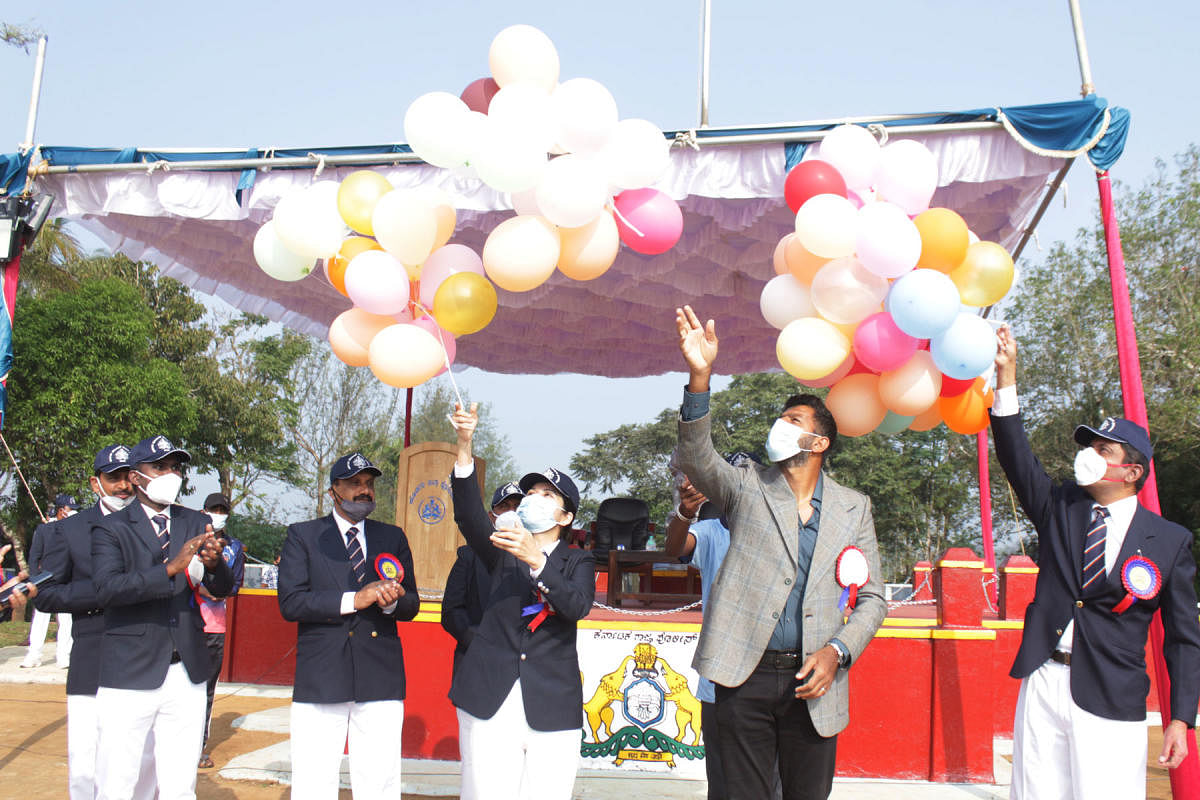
x=636 y=154
x=853 y=151
x=785 y=299
x=525 y=109
x=308 y=222
x=437 y=128
x=888 y=242
x=827 y=225
x=507 y=162
x=907 y=176
x=525 y=203
x=275 y=259
x=523 y=53
x=406 y=225
x=586 y=114
x=573 y=191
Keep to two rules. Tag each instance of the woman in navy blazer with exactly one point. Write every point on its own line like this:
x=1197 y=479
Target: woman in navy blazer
x=517 y=689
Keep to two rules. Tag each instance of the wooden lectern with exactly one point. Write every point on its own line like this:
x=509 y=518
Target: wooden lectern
x=425 y=512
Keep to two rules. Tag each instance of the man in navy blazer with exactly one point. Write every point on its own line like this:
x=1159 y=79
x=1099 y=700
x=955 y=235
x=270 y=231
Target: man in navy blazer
x=68 y=555
x=146 y=559
x=346 y=580
x=1106 y=565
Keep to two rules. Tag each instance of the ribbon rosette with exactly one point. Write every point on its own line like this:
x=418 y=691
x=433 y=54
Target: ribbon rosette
x=852 y=574
x=388 y=567
x=1141 y=579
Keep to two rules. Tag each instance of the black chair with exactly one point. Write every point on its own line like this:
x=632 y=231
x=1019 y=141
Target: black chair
x=621 y=523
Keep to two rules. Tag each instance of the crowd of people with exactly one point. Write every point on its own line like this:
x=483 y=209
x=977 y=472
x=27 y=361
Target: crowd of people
x=143 y=579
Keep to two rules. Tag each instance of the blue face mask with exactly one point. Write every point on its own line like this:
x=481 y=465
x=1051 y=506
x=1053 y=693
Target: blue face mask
x=537 y=512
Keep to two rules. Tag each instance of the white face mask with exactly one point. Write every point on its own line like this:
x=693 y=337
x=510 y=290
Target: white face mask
x=1090 y=467
x=114 y=503
x=537 y=512
x=164 y=489
x=783 y=441
x=218 y=520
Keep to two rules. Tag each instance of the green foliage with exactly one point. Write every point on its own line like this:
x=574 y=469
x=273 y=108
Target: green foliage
x=262 y=537
x=22 y=36
x=86 y=375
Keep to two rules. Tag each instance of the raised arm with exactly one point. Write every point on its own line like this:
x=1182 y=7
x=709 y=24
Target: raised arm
x=469 y=513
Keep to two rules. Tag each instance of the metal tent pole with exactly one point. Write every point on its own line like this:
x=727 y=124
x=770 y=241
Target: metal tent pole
x=705 y=51
x=1185 y=779
x=39 y=67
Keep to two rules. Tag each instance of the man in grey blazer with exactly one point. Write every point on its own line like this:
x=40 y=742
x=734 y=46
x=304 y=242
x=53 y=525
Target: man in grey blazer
x=776 y=640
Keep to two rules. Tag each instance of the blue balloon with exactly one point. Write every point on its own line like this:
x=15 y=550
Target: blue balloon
x=923 y=303
x=966 y=348
x=894 y=423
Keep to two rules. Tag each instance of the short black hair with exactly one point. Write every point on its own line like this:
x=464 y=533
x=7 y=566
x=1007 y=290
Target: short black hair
x=1133 y=456
x=825 y=424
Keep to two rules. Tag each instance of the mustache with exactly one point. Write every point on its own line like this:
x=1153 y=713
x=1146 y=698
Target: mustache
x=362 y=497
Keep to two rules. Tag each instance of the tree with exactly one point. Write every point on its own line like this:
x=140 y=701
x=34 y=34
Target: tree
x=21 y=36
x=1062 y=315
x=86 y=375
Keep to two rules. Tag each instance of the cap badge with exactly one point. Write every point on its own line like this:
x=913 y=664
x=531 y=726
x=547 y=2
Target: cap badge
x=160 y=444
x=357 y=461
x=1108 y=424
x=119 y=455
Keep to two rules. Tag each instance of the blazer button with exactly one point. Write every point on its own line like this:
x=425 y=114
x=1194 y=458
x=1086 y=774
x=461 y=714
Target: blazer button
x=522 y=656
x=374 y=634
x=787 y=581
x=1079 y=604
x=351 y=633
x=1058 y=631
x=774 y=615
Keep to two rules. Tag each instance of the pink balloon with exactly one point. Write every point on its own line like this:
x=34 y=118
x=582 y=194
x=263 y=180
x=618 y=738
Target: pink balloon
x=656 y=216
x=880 y=345
x=446 y=338
x=479 y=93
x=444 y=262
x=377 y=282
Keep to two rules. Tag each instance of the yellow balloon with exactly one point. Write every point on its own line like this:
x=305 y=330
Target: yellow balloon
x=985 y=275
x=855 y=404
x=465 y=303
x=809 y=348
x=357 y=196
x=588 y=251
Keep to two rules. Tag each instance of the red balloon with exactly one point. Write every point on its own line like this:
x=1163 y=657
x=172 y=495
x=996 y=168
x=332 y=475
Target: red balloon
x=479 y=93
x=953 y=387
x=860 y=368
x=809 y=179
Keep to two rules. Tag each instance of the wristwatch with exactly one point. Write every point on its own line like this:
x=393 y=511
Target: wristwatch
x=842 y=651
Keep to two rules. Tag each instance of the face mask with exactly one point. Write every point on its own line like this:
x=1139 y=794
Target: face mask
x=537 y=512
x=71 y=512
x=218 y=520
x=114 y=503
x=163 y=489
x=783 y=441
x=355 y=510
x=1090 y=467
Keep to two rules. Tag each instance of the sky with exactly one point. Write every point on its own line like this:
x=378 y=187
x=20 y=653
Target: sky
x=238 y=74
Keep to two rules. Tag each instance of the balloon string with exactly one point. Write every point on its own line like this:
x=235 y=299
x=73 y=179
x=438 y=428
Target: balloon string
x=628 y=224
x=445 y=352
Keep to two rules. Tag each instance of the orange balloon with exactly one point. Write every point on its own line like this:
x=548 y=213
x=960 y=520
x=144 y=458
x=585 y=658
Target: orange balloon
x=967 y=413
x=855 y=404
x=802 y=264
x=335 y=267
x=351 y=332
x=944 y=239
x=779 y=260
x=927 y=420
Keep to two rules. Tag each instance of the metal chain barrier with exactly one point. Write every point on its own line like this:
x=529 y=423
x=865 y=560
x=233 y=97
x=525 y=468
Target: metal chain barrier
x=917 y=591
x=689 y=607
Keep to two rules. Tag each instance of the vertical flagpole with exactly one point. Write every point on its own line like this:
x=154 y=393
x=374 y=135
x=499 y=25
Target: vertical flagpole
x=31 y=121
x=705 y=50
x=985 y=513
x=1185 y=779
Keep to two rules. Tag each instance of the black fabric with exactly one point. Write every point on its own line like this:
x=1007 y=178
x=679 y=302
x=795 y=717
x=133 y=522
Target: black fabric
x=621 y=523
x=148 y=615
x=215 y=642
x=775 y=737
x=66 y=551
x=503 y=649
x=352 y=658
x=1108 y=666
x=467 y=587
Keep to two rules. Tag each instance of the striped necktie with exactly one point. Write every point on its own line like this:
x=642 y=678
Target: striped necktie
x=1093 y=547
x=164 y=538
x=357 y=559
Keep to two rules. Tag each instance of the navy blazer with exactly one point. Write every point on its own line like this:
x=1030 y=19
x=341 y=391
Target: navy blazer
x=148 y=615
x=42 y=535
x=503 y=649
x=467 y=587
x=340 y=659
x=68 y=555
x=1108 y=667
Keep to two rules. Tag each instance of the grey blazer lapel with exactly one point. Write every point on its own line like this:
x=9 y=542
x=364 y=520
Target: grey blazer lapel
x=782 y=502
x=834 y=532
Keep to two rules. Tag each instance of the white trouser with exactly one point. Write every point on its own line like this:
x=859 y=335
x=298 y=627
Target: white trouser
x=1061 y=752
x=83 y=732
x=39 y=628
x=503 y=758
x=319 y=732
x=173 y=713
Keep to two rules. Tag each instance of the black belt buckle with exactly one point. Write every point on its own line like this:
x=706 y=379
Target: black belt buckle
x=781 y=659
x=1061 y=656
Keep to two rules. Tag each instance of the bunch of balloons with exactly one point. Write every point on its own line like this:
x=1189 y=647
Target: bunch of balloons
x=876 y=294
x=386 y=250
x=573 y=209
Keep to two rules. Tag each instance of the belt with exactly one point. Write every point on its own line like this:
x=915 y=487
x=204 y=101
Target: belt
x=780 y=659
x=1061 y=656
x=175 y=657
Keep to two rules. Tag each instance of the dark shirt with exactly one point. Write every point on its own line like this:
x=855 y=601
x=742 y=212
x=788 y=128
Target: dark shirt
x=787 y=633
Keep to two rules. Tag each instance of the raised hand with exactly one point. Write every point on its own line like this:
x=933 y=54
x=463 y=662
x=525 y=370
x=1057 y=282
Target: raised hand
x=464 y=423
x=698 y=343
x=1006 y=357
